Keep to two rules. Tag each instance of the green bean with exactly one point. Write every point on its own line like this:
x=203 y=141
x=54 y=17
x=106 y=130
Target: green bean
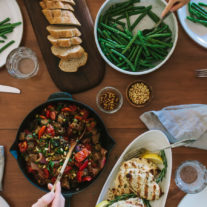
x=138 y=20
x=125 y=59
x=138 y=56
x=198 y=14
x=153 y=16
x=197 y=20
x=5 y=32
x=130 y=44
x=202 y=4
x=160 y=35
x=3 y=36
x=142 y=42
x=2 y=41
x=196 y=6
x=115 y=31
x=10 y=26
x=6 y=46
x=128 y=22
x=4 y=21
x=134 y=54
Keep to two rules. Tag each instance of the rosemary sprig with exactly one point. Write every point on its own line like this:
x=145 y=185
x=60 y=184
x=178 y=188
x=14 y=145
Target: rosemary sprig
x=164 y=170
x=147 y=203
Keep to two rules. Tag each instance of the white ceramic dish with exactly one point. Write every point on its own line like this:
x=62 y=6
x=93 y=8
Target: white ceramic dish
x=196 y=31
x=11 y=9
x=192 y=200
x=3 y=203
x=151 y=140
x=147 y=23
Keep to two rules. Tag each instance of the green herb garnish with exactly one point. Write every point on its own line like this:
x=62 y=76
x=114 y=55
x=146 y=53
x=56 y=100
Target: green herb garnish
x=164 y=170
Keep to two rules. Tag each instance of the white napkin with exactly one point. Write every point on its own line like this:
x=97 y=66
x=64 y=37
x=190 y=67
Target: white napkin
x=180 y=122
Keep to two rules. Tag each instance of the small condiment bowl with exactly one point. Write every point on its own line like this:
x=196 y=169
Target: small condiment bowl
x=113 y=90
x=129 y=99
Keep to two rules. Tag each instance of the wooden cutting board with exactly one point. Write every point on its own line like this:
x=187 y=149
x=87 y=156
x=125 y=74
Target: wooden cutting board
x=87 y=76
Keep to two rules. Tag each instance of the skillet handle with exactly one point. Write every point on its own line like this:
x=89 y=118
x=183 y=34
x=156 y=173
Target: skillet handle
x=67 y=201
x=60 y=95
x=13 y=151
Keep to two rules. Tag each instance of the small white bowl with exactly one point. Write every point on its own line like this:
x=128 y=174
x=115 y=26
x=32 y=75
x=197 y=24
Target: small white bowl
x=147 y=23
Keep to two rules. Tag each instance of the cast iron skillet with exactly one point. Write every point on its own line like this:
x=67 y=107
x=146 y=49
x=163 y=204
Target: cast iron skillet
x=106 y=141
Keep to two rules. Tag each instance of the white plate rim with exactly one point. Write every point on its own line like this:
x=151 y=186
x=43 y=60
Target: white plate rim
x=135 y=141
x=20 y=33
x=186 y=28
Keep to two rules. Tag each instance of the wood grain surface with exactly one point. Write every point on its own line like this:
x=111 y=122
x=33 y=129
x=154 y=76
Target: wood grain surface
x=172 y=84
x=87 y=76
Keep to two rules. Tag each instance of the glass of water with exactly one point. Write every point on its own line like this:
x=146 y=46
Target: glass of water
x=22 y=63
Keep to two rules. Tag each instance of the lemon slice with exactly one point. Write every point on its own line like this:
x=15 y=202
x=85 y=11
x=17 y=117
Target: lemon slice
x=102 y=204
x=153 y=157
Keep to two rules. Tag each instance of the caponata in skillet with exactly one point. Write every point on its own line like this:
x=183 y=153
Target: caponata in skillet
x=44 y=145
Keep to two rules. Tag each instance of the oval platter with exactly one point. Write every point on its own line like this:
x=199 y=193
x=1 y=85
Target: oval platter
x=151 y=140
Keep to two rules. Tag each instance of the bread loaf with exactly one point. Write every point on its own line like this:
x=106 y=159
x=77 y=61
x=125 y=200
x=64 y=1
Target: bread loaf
x=63 y=31
x=56 y=5
x=58 y=16
x=64 y=42
x=72 y=65
x=68 y=53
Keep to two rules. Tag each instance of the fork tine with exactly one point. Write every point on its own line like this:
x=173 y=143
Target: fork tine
x=201 y=73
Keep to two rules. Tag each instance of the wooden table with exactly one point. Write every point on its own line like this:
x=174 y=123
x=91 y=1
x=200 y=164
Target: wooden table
x=173 y=84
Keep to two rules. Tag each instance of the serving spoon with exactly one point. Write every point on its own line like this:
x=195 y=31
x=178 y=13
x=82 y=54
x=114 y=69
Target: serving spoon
x=72 y=146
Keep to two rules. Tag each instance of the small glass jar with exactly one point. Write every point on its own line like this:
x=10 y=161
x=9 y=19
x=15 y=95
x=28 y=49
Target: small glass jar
x=106 y=92
x=22 y=63
x=191 y=177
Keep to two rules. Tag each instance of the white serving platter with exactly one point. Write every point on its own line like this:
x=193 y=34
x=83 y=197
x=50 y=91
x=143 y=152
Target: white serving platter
x=192 y=200
x=196 y=31
x=3 y=203
x=10 y=8
x=151 y=140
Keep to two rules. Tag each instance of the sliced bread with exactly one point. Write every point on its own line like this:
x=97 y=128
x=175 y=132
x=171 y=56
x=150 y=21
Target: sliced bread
x=68 y=1
x=68 y=53
x=64 y=42
x=63 y=31
x=58 y=16
x=72 y=65
x=56 y=5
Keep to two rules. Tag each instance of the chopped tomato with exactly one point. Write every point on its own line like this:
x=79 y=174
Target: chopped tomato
x=66 y=109
x=77 y=164
x=84 y=165
x=46 y=173
x=50 y=130
x=87 y=178
x=82 y=155
x=67 y=169
x=79 y=176
x=30 y=170
x=84 y=114
x=41 y=131
x=42 y=117
x=53 y=179
x=78 y=118
x=48 y=114
x=23 y=146
x=66 y=138
x=52 y=115
x=88 y=147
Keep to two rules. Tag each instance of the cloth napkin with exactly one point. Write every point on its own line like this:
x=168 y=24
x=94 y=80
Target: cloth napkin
x=180 y=122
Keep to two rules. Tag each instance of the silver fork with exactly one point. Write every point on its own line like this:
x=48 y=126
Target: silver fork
x=139 y=152
x=201 y=73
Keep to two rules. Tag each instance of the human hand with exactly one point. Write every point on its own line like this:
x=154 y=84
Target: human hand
x=173 y=5
x=51 y=199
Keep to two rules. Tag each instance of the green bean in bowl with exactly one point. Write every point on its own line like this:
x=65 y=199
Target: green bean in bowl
x=128 y=38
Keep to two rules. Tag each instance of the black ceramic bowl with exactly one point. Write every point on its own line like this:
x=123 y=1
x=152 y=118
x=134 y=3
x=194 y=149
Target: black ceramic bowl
x=106 y=141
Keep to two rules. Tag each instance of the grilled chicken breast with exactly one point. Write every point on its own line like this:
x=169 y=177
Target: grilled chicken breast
x=137 y=176
x=132 y=202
